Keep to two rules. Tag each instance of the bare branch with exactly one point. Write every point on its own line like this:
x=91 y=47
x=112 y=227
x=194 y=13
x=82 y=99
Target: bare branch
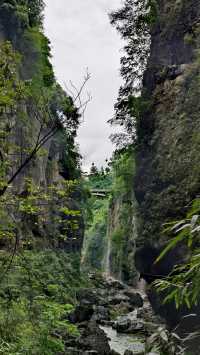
x=76 y=94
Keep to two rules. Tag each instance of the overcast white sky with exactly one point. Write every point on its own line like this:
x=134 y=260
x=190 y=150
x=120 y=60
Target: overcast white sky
x=82 y=37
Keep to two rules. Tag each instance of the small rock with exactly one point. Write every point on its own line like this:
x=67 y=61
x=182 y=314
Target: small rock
x=73 y=351
x=106 y=323
x=136 y=327
x=117 y=299
x=130 y=352
x=115 y=284
x=135 y=298
x=122 y=325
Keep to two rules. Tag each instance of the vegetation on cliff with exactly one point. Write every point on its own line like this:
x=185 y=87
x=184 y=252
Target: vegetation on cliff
x=151 y=179
x=41 y=195
x=159 y=109
x=182 y=285
x=133 y=21
x=111 y=233
x=96 y=220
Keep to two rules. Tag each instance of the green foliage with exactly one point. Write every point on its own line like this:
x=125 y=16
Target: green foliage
x=21 y=13
x=38 y=206
x=112 y=217
x=96 y=221
x=95 y=236
x=11 y=88
x=123 y=170
x=164 y=342
x=117 y=241
x=183 y=285
x=93 y=170
x=36 y=51
x=133 y=21
x=122 y=233
x=42 y=107
x=38 y=288
x=100 y=180
x=35 y=298
x=35 y=9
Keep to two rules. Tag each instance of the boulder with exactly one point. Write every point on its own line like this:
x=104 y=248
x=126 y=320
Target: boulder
x=135 y=299
x=122 y=325
x=81 y=313
x=101 y=313
x=115 y=284
x=117 y=299
x=87 y=296
x=113 y=352
x=128 y=323
x=94 y=338
x=136 y=327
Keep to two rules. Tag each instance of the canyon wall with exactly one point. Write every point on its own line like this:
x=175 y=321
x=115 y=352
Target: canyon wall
x=168 y=174
x=33 y=114
x=168 y=153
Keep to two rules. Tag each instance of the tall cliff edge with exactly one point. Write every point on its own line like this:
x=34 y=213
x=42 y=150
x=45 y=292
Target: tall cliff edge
x=168 y=174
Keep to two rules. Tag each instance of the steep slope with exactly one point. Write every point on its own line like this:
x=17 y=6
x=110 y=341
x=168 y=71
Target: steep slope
x=42 y=228
x=122 y=220
x=38 y=121
x=112 y=232
x=168 y=174
x=168 y=152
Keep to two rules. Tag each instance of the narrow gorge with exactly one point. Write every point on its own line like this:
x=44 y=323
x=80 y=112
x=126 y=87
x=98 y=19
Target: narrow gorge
x=103 y=262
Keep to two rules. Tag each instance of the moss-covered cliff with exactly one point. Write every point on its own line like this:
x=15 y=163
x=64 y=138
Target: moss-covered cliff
x=38 y=128
x=122 y=220
x=41 y=223
x=168 y=174
x=112 y=232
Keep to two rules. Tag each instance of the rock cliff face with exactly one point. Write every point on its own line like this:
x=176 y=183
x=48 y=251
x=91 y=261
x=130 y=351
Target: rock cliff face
x=121 y=239
x=168 y=174
x=55 y=161
x=122 y=222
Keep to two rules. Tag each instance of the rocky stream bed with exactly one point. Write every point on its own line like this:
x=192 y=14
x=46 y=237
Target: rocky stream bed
x=114 y=319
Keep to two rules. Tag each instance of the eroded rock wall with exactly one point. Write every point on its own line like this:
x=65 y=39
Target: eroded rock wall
x=168 y=173
x=168 y=154
x=25 y=124
x=121 y=238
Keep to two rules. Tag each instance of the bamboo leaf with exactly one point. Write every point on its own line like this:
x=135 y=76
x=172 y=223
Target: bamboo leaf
x=170 y=246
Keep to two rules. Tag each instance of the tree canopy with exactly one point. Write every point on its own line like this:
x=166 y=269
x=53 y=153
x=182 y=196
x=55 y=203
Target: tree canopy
x=133 y=21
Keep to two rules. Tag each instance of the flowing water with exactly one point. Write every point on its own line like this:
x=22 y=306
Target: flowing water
x=122 y=342
x=107 y=259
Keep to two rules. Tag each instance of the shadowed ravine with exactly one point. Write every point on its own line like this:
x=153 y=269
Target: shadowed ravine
x=113 y=318
x=103 y=262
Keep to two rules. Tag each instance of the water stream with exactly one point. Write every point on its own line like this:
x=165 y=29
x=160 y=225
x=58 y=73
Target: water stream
x=122 y=342
x=107 y=258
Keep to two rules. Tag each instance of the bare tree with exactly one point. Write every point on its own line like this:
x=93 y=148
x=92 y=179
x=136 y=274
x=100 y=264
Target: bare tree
x=49 y=124
x=76 y=94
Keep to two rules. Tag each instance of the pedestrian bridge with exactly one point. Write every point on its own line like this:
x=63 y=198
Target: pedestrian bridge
x=101 y=193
